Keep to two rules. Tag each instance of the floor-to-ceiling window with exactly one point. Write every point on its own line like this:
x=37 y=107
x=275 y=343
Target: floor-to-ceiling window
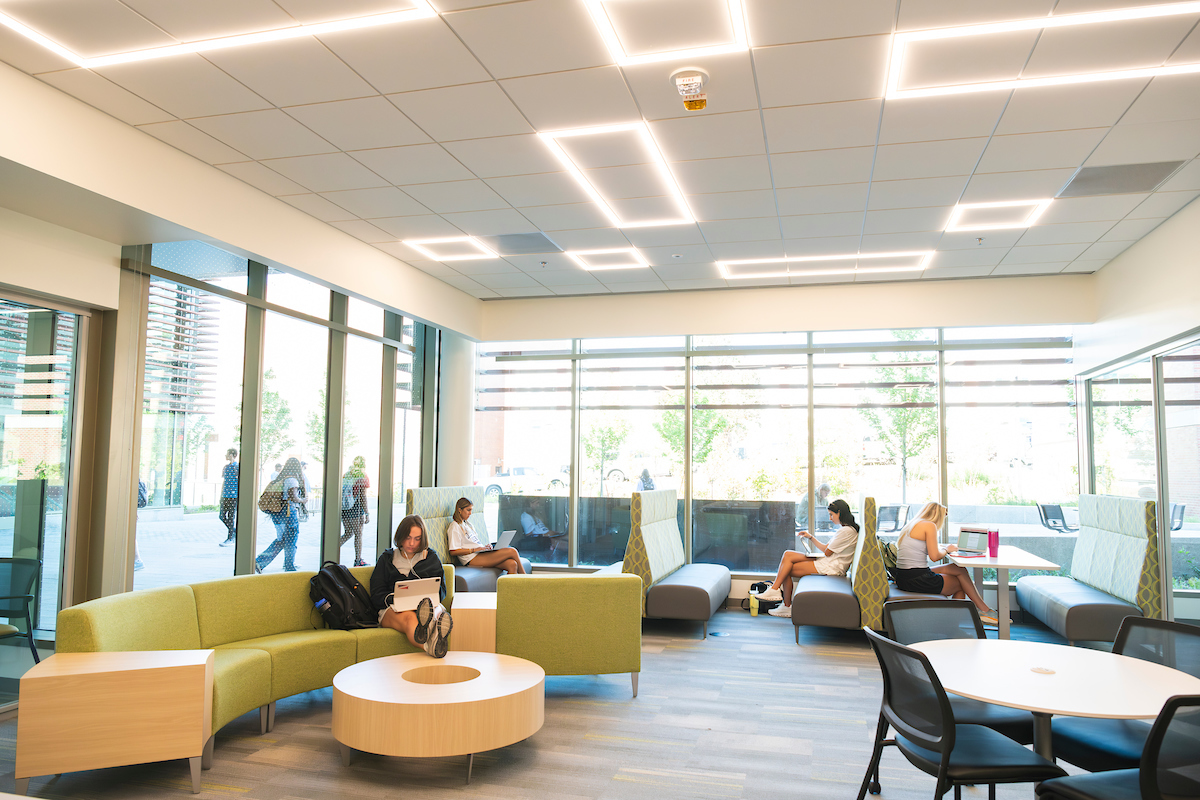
x=1181 y=417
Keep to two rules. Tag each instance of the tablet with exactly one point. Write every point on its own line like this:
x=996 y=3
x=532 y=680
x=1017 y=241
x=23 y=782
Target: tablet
x=409 y=594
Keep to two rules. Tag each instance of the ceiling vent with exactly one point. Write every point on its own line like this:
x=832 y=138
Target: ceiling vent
x=1119 y=179
x=517 y=244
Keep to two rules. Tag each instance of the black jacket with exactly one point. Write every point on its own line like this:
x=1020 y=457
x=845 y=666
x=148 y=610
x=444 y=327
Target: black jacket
x=383 y=579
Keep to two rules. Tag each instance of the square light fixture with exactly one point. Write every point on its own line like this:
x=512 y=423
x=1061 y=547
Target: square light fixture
x=985 y=217
x=910 y=261
x=421 y=9
x=901 y=41
x=616 y=49
x=636 y=260
x=454 y=253
x=641 y=131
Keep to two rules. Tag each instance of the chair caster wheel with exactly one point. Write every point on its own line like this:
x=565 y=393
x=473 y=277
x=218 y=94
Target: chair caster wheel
x=874 y=787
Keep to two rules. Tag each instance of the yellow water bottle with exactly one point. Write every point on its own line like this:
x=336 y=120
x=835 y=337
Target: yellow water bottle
x=753 y=606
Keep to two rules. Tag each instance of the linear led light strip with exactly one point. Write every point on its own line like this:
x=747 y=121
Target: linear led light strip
x=1038 y=206
x=608 y=33
x=924 y=255
x=637 y=260
x=421 y=9
x=901 y=40
x=685 y=214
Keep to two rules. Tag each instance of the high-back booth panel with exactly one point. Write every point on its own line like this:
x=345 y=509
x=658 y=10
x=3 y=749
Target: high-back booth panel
x=435 y=505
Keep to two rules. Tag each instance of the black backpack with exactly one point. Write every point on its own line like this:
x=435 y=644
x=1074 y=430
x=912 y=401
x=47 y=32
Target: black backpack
x=341 y=599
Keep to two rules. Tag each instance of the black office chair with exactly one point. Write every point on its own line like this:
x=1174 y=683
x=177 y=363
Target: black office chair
x=1052 y=518
x=1098 y=745
x=888 y=519
x=16 y=583
x=916 y=705
x=1177 y=510
x=1169 y=768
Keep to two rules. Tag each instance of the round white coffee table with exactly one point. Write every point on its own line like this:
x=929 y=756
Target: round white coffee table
x=416 y=706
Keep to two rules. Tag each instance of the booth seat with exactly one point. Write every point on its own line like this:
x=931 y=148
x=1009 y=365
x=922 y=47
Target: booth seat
x=436 y=504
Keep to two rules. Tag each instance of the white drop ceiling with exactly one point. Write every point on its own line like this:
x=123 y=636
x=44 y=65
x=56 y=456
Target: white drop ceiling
x=427 y=128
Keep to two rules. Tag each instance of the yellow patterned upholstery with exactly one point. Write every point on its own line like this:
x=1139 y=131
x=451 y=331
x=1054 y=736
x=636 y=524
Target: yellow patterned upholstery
x=1117 y=550
x=435 y=505
x=655 y=548
x=867 y=576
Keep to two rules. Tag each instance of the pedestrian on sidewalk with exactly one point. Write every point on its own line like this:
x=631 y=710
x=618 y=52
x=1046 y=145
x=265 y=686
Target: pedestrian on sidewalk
x=229 y=496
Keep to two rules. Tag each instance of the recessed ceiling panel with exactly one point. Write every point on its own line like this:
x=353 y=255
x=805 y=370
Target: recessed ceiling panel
x=645 y=31
x=821 y=265
x=1119 y=179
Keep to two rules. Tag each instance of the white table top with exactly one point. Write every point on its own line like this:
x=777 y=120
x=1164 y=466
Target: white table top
x=1007 y=557
x=1084 y=683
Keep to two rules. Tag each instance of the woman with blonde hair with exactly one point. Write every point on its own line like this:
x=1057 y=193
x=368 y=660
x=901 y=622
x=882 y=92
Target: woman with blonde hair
x=466 y=546
x=918 y=542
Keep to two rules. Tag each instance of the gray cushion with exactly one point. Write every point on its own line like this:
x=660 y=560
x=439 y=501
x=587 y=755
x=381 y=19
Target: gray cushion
x=480 y=579
x=895 y=593
x=826 y=600
x=1072 y=609
x=694 y=591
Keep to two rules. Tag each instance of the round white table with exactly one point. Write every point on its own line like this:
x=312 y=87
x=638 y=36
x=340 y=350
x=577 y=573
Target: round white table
x=1050 y=679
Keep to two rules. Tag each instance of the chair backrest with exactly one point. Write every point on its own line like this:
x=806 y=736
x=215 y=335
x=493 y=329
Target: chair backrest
x=655 y=547
x=435 y=504
x=1054 y=516
x=914 y=701
x=1116 y=550
x=890 y=516
x=1177 y=510
x=868 y=578
x=16 y=580
x=1170 y=768
x=909 y=621
x=1172 y=644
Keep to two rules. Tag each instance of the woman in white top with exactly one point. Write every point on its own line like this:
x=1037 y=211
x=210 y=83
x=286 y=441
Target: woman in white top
x=468 y=549
x=836 y=559
x=919 y=541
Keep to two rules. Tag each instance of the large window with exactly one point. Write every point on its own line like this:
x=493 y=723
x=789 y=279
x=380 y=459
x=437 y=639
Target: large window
x=1181 y=391
x=358 y=496
x=1123 y=432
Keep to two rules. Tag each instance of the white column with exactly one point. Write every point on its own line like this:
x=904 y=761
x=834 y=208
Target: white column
x=456 y=411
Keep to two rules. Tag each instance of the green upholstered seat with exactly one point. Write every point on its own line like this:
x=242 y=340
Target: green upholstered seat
x=241 y=683
x=155 y=619
x=302 y=660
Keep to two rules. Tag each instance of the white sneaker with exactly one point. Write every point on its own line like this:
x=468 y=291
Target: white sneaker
x=781 y=611
x=770 y=594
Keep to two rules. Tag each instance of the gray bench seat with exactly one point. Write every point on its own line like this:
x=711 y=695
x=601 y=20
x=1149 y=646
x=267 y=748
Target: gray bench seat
x=1072 y=609
x=829 y=601
x=694 y=592
x=480 y=579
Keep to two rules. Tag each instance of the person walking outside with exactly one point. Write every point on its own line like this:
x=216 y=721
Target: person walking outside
x=287 y=519
x=229 y=496
x=354 y=506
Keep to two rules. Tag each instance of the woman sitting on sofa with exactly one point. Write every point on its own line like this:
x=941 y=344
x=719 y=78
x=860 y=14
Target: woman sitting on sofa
x=468 y=549
x=412 y=557
x=836 y=559
x=918 y=541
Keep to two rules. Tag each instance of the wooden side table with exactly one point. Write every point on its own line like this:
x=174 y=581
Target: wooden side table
x=81 y=711
x=474 y=622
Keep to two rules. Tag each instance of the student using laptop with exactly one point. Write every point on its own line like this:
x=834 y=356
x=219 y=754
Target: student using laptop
x=412 y=558
x=917 y=546
x=466 y=546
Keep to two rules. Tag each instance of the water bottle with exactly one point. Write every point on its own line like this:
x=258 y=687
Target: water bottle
x=753 y=606
x=993 y=542
x=322 y=605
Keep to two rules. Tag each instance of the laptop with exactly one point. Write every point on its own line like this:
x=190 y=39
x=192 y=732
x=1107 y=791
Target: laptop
x=972 y=540
x=409 y=594
x=506 y=539
x=806 y=546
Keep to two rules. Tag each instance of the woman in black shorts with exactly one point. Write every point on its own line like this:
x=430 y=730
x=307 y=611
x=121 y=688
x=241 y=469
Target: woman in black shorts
x=917 y=543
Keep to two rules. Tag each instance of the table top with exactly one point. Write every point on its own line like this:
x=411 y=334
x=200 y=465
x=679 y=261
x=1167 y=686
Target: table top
x=471 y=601
x=463 y=676
x=92 y=663
x=1055 y=679
x=1007 y=557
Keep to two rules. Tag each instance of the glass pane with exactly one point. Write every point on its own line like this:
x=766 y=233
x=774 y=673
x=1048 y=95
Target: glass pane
x=201 y=262
x=406 y=463
x=1123 y=432
x=364 y=316
x=523 y=450
x=1060 y=332
x=875 y=337
x=738 y=340
x=876 y=429
x=292 y=444
x=298 y=294
x=749 y=457
x=1010 y=441
x=631 y=425
x=191 y=420
x=1181 y=387
x=360 y=451
x=633 y=345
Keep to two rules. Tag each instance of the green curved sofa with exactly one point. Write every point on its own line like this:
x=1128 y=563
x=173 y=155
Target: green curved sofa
x=261 y=628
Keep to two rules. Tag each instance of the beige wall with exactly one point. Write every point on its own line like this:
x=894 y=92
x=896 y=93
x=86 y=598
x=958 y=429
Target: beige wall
x=38 y=258
x=993 y=301
x=1148 y=294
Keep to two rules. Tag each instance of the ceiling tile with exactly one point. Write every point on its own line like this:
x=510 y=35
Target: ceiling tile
x=475 y=111
x=665 y=236
x=1129 y=230
x=193 y=142
x=469 y=286
x=385 y=201
x=811 y=226
x=517 y=280
x=625 y=281
x=565 y=277
x=1187 y=178
x=424 y=226
x=733 y=205
x=566 y=217
x=696 y=283
x=551 y=188
x=572 y=291
x=291 y=72
x=832 y=70
x=772 y=248
x=1050 y=150
x=1092 y=48
x=918 y=15
x=26 y=56
x=209 y=90
x=822 y=127
x=89 y=28
x=994 y=187
x=822 y=199
x=743 y=173
x=917 y=192
x=1068 y=233
x=486 y=266
x=599 y=238
x=1081 y=266
x=318 y=206
x=927 y=159
x=1044 y=253
x=730 y=87
x=260 y=177
x=821 y=246
x=359 y=124
x=327 y=173
x=557 y=101
x=542 y=264
x=689 y=272
x=98 y=92
x=421 y=54
x=457 y=196
x=907 y=220
x=822 y=167
x=434 y=268
x=264 y=134
x=1091 y=209
x=1081 y=105
x=190 y=22
x=1152 y=141
x=1105 y=250
x=923 y=119
x=687 y=255
x=364 y=231
x=1162 y=204
x=530 y=38
x=980 y=256
x=740 y=230
x=950 y=273
x=311 y=12
x=716 y=136
x=971 y=240
x=505 y=155
x=418 y=163
x=1168 y=98
x=537 y=291
x=785 y=21
x=894 y=242
x=491 y=223
x=1051 y=268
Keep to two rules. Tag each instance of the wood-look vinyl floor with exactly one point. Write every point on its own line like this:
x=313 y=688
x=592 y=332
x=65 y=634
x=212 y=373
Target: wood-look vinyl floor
x=748 y=715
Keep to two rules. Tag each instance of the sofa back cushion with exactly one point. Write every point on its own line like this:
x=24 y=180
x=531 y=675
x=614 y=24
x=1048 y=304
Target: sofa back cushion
x=250 y=606
x=1117 y=550
x=435 y=504
x=153 y=619
x=867 y=574
x=655 y=548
